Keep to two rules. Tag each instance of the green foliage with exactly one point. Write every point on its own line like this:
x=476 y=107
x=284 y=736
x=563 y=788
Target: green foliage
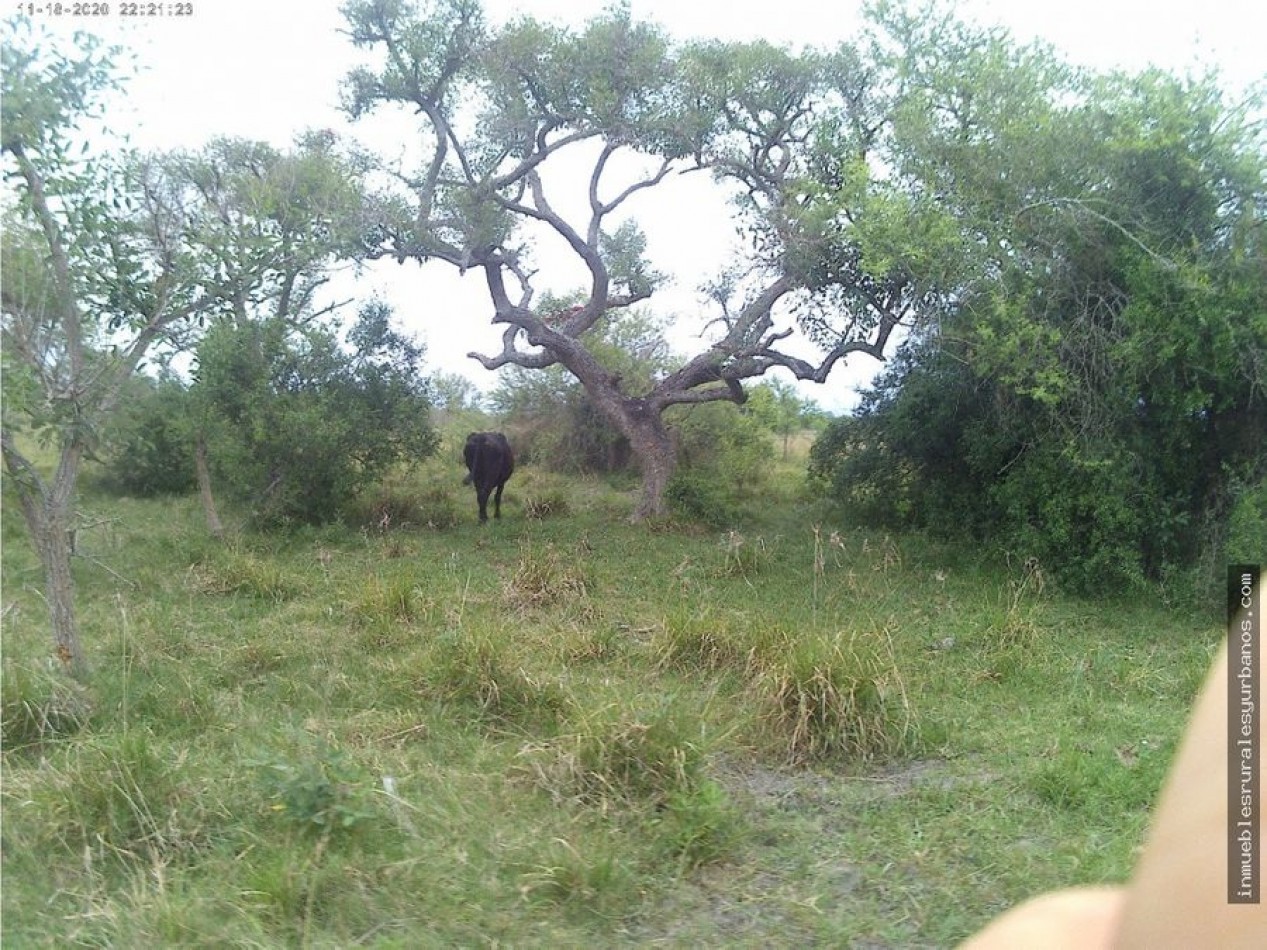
x=697 y=641
x=721 y=441
x=296 y=427
x=123 y=795
x=118 y=256
x=149 y=445
x=1095 y=403
x=322 y=792
x=412 y=498
x=391 y=600
x=1247 y=527
x=592 y=883
x=776 y=406
x=702 y=498
x=723 y=461
x=1082 y=780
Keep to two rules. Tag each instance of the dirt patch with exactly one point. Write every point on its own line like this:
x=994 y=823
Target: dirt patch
x=800 y=788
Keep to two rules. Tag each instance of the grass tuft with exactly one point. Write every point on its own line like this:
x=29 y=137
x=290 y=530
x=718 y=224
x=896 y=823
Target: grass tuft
x=619 y=757
x=391 y=601
x=236 y=571
x=593 y=881
x=829 y=698
x=478 y=672
x=744 y=558
x=701 y=825
x=698 y=640
x=545 y=577
x=36 y=709
x=123 y=795
x=548 y=504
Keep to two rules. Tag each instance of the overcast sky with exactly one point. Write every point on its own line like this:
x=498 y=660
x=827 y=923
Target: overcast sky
x=268 y=69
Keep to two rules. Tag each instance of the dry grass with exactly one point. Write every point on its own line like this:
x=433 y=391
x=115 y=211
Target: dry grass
x=545 y=577
x=838 y=697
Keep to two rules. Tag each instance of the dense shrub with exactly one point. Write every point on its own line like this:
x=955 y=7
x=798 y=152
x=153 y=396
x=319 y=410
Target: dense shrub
x=297 y=426
x=148 y=449
x=938 y=446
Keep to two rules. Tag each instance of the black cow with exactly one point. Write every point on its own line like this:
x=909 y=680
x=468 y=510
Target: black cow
x=489 y=464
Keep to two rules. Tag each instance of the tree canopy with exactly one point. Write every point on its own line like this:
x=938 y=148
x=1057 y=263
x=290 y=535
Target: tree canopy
x=790 y=138
x=1095 y=397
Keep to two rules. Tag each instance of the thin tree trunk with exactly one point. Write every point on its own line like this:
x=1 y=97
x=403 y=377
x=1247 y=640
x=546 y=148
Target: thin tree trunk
x=48 y=512
x=53 y=540
x=214 y=524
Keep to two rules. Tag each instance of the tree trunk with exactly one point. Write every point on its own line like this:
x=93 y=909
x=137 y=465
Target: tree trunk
x=650 y=440
x=48 y=512
x=52 y=533
x=204 y=489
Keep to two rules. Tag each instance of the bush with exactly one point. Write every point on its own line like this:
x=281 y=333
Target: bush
x=720 y=442
x=321 y=791
x=148 y=448
x=298 y=428
x=698 y=496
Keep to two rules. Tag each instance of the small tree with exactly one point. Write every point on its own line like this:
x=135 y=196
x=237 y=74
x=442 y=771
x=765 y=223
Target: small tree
x=262 y=227
x=776 y=405
x=91 y=284
x=108 y=261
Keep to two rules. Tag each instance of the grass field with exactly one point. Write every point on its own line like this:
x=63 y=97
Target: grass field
x=564 y=730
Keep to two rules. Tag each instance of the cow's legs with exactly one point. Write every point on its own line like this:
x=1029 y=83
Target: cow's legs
x=481 y=495
x=497 y=501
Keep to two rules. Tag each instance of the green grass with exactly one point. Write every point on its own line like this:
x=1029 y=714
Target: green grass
x=562 y=730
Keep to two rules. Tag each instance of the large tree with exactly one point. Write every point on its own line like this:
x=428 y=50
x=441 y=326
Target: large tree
x=531 y=132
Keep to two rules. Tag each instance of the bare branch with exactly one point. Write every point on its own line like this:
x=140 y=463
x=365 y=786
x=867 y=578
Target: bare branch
x=511 y=354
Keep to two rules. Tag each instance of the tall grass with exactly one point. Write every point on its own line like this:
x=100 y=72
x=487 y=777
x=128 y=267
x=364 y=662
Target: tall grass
x=561 y=730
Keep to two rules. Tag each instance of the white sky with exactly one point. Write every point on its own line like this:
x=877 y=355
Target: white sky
x=268 y=69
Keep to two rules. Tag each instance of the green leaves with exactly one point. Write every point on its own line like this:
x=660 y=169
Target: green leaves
x=297 y=425
x=1092 y=396
x=431 y=44
x=47 y=93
